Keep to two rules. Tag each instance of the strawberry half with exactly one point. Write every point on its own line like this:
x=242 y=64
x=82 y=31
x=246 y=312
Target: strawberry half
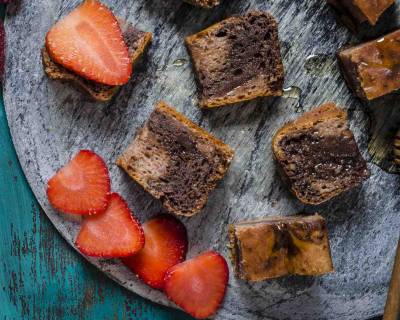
x=89 y=42
x=113 y=234
x=82 y=186
x=166 y=246
x=198 y=285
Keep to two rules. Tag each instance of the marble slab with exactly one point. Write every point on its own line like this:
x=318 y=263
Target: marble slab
x=50 y=122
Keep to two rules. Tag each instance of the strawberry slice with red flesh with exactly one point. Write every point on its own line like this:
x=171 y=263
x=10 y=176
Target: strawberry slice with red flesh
x=198 y=285
x=114 y=233
x=82 y=186
x=165 y=246
x=89 y=42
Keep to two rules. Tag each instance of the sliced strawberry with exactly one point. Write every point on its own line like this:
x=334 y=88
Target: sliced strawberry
x=166 y=246
x=89 y=42
x=198 y=285
x=82 y=186
x=114 y=233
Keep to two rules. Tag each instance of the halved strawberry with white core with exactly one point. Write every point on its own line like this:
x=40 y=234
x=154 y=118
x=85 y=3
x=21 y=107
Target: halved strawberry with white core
x=198 y=285
x=114 y=233
x=166 y=246
x=89 y=42
x=82 y=186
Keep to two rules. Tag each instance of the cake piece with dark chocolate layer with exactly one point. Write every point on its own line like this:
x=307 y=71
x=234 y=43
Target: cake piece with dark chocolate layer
x=372 y=69
x=176 y=161
x=237 y=59
x=136 y=41
x=278 y=246
x=203 y=3
x=355 y=12
x=318 y=156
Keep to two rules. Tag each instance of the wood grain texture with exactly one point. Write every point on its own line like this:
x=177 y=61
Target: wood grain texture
x=50 y=122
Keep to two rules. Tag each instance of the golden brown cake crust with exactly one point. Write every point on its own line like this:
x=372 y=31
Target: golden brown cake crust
x=372 y=10
x=326 y=160
x=354 y=12
x=232 y=64
x=372 y=69
x=176 y=161
x=278 y=246
x=137 y=42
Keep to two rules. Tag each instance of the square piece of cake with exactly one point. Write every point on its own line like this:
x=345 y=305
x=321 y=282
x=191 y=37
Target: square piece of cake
x=318 y=156
x=372 y=69
x=176 y=161
x=278 y=246
x=237 y=59
x=136 y=40
x=355 y=12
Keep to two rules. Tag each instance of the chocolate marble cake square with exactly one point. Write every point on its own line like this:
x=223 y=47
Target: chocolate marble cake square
x=136 y=41
x=237 y=59
x=372 y=69
x=176 y=161
x=278 y=246
x=318 y=156
x=355 y=12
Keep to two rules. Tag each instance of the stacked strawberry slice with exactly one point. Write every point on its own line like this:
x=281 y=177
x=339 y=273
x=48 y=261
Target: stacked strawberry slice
x=89 y=42
x=114 y=233
x=82 y=187
x=166 y=246
x=198 y=285
x=155 y=252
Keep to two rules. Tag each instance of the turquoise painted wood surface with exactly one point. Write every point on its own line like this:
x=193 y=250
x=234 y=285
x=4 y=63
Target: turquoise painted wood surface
x=42 y=277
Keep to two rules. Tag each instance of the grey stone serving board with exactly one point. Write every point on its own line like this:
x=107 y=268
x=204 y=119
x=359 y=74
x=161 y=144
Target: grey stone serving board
x=50 y=122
